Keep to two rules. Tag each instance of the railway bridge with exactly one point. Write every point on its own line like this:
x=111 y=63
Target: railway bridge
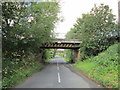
x=73 y=44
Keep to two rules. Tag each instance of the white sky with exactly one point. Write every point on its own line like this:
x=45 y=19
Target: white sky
x=71 y=9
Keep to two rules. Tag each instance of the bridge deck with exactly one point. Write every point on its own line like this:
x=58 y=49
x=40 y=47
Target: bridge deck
x=63 y=44
x=67 y=40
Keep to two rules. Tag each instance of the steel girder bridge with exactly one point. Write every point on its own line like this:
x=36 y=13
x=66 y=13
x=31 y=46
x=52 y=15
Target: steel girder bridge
x=63 y=44
x=73 y=44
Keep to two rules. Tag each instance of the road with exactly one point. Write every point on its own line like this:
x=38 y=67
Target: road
x=57 y=74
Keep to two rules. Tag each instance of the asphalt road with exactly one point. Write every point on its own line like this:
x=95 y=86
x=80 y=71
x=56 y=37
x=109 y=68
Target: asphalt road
x=57 y=74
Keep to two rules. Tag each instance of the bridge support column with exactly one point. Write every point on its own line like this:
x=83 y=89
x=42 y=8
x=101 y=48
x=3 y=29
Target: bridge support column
x=78 y=55
x=75 y=55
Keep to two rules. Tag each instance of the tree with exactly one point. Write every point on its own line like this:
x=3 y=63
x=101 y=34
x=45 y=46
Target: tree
x=45 y=17
x=118 y=11
x=97 y=30
x=12 y=13
x=19 y=35
x=25 y=27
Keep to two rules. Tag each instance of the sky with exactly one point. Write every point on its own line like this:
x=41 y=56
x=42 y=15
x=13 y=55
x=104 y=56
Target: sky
x=73 y=9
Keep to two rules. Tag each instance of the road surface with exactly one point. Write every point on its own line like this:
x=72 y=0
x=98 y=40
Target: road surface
x=57 y=74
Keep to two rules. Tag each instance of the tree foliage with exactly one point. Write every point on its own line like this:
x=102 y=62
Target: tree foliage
x=25 y=27
x=97 y=30
x=26 y=35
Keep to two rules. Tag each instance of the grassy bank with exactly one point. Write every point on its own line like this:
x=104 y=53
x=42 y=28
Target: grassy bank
x=102 y=68
x=0 y=84
x=20 y=75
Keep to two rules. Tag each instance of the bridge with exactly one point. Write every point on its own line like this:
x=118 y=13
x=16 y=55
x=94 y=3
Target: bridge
x=73 y=44
x=63 y=44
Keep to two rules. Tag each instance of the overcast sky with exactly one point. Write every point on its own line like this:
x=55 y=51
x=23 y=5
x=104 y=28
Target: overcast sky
x=72 y=9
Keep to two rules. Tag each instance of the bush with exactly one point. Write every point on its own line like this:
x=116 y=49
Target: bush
x=103 y=68
x=14 y=71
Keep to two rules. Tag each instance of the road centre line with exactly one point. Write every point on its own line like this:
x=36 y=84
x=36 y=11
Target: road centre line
x=59 y=78
x=58 y=74
x=57 y=67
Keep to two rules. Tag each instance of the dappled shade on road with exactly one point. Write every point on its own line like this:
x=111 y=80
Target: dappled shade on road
x=58 y=60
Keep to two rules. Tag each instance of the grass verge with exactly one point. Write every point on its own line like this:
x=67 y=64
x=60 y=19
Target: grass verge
x=102 y=68
x=0 y=84
x=20 y=75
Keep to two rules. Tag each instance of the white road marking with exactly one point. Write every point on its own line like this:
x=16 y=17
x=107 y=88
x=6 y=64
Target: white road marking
x=57 y=66
x=58 y=74
x=99 y=85
x=59 y=78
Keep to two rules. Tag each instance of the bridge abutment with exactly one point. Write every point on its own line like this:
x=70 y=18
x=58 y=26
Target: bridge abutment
x=75 y=55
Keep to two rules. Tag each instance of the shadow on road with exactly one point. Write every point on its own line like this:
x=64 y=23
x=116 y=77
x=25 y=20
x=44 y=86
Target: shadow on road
x=58 y=60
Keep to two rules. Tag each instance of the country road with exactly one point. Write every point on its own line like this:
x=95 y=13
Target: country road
x=57 y=74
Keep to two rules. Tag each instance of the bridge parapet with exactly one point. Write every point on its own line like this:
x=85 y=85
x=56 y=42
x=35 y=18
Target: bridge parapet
x=67 y=41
